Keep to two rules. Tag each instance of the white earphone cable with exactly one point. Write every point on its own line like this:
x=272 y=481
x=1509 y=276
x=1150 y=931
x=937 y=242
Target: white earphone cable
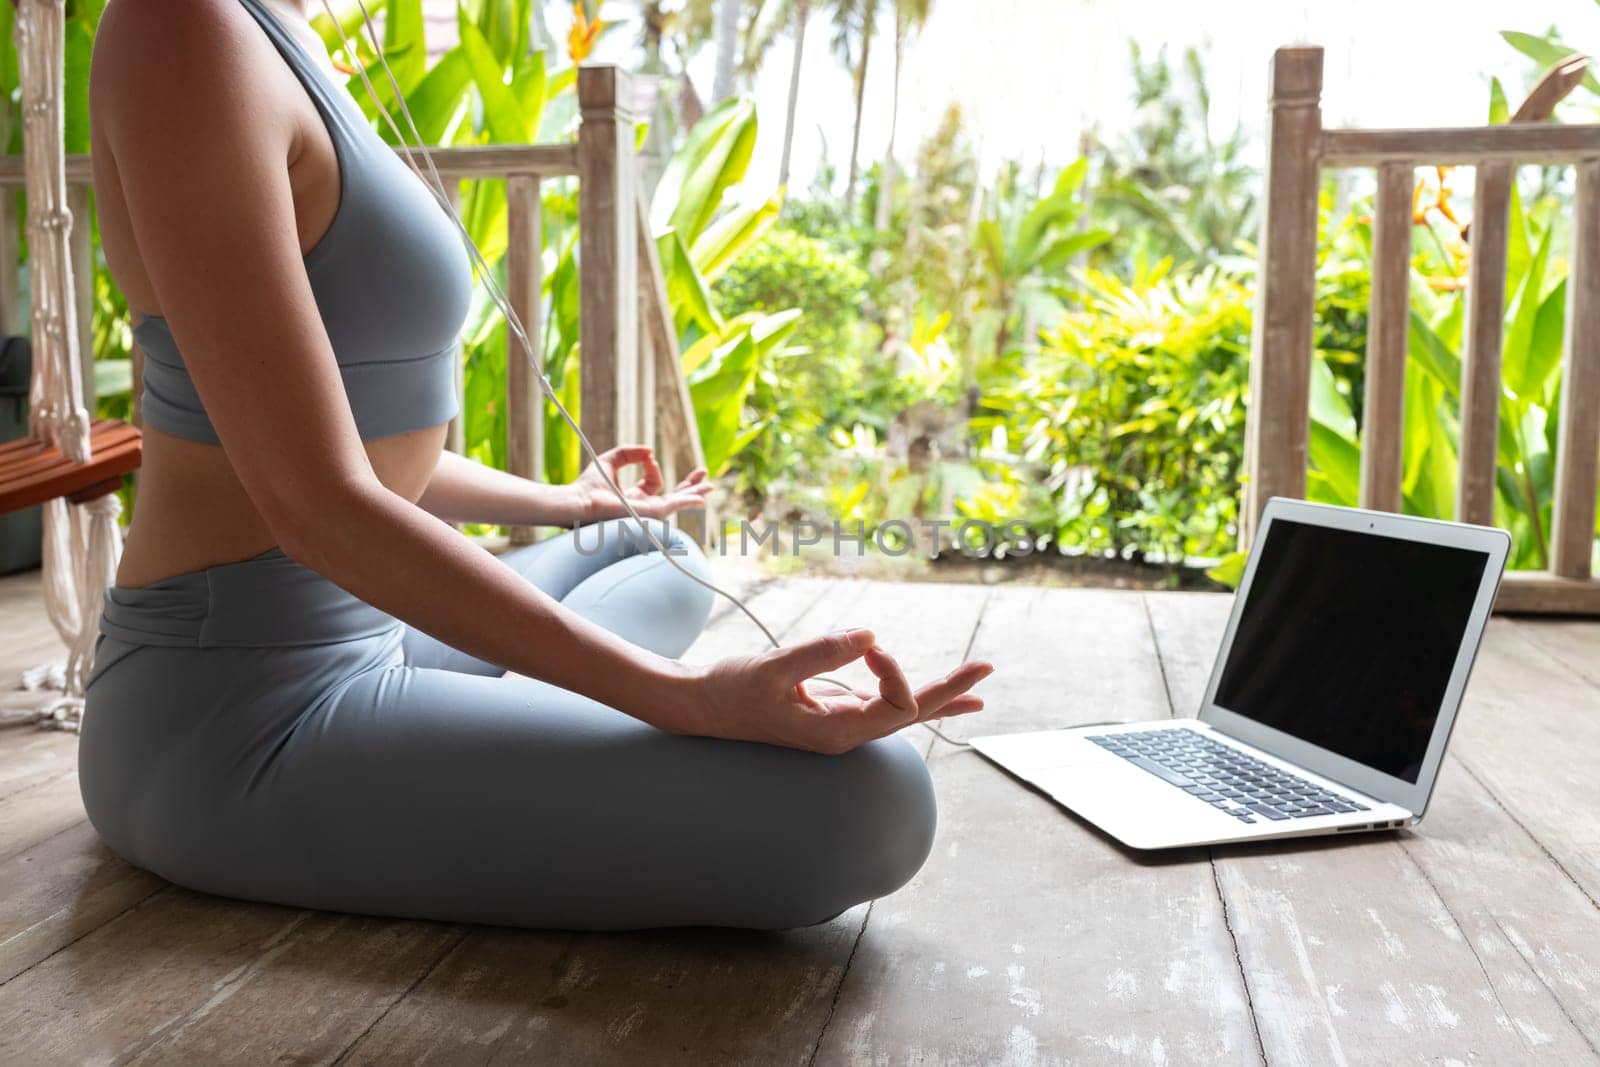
x=435 y=185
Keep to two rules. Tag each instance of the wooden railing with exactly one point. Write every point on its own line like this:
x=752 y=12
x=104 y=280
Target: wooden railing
x=1277 y=440
x=632 y=385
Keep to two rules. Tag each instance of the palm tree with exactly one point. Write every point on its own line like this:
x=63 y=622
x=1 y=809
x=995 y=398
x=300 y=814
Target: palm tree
x=909 y=16
x=727 y=50
x=854 y=23
x=768 y=20
x=800 y=16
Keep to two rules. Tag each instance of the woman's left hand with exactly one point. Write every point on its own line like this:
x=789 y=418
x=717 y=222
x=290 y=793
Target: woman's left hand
x=596 y=501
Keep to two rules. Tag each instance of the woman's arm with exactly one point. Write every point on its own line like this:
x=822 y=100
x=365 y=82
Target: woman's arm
x=206 y=178
x=461 y=490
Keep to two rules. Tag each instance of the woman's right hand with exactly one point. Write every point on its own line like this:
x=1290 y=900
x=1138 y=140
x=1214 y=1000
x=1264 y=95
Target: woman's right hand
x=773 y=697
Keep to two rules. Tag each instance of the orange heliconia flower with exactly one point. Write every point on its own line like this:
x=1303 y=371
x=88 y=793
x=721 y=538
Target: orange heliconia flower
x=582 y=36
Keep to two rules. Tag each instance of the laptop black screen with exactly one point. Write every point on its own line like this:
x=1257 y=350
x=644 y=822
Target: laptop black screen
x=1347 y=641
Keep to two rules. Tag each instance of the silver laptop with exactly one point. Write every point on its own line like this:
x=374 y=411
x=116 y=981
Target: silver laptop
x=1330 y=703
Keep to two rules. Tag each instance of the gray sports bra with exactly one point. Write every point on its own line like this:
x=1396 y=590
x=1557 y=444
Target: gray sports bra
x=391 y=278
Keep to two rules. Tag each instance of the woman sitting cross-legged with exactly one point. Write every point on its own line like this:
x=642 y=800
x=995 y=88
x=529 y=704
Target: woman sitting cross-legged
x=309 y=688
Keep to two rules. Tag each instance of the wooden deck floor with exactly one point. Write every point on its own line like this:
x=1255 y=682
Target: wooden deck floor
x=1027 y=938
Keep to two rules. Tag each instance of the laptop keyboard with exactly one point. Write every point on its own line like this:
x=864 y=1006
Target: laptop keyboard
x=1224 y=777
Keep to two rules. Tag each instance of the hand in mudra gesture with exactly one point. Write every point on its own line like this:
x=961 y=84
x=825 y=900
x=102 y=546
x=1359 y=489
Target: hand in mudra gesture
x=775 y=697
x=648 y=496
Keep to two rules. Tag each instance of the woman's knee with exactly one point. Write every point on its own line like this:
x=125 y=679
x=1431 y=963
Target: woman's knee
x=692 y=600
x=880 y=830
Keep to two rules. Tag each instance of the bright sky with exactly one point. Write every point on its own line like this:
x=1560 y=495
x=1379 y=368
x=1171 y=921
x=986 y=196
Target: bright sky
x=1030 y=74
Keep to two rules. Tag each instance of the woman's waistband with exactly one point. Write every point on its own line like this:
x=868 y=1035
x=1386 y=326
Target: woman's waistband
x=267 y=601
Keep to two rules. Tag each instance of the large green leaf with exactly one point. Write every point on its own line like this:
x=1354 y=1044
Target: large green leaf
x=78 y=46
x=440 y=96
x=1061 y=252
x=1328 y=405
x=501 y=113
x=1499 y=110
x=1436 y=357
x=1519 y=335
x=714 y=157
x=1547 y=53
x=718 y=395
x=404 y=42
x=721 y=242
x=350 y=21
x=530 y=86
x=1333 y=449
x=687 y=291
x=1533 y=374
x=113 y=377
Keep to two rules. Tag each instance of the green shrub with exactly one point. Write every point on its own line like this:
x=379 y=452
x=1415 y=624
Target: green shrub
x=1129 y=424
x=812 y=383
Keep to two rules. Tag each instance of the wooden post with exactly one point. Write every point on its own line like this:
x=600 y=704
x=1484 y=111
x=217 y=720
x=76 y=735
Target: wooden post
x=1388 y=322
x=1578 y=453
x=1281 y=343
x=455 y=438
x=524 y=280
x=1480 y=364
x=10 y=251
x=675 y=431
x=608 y=326
x=82 y=253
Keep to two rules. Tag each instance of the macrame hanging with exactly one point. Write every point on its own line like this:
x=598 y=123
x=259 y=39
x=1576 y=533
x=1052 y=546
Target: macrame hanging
x=82 y=542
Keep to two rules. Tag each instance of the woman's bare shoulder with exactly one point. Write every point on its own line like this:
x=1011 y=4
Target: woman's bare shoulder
x=190 y=58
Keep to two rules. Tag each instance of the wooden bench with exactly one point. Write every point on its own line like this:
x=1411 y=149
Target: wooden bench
x=32 y=472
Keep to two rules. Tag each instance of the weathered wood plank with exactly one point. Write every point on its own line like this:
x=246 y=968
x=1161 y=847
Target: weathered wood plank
x=184 y=977
x=524 y=284
x=1557 y=82
x=61 y=889
x=1530 y=730
x=1388 y=322
x=1530 y=143
x=37 y=812
x=1395 y=948
x=1029 y=937
x=32 y=756
x=1572 y=523
x=1278 y=426
x=1542 y=593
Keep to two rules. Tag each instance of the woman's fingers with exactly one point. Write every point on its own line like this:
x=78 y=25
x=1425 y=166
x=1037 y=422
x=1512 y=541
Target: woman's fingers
x=626 y=456
x=934 y=697
x=892 y=684
x=796 y=663
x=965 y=704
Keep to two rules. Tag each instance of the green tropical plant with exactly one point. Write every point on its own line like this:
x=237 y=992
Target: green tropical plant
x=699 y=235
x=1125 y=433
x=1529 y=402
x=809 y=385
x=1024 y=247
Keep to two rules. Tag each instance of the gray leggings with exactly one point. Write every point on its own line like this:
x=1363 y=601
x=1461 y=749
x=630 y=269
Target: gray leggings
x=252 y=730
